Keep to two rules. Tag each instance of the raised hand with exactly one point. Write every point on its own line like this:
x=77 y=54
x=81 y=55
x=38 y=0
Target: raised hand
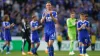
x=46 y=13
x=51 y=13
x=83 y=26
x=12 y=25
x=40 y=27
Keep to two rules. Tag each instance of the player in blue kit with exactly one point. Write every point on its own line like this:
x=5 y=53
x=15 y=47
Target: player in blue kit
x=83 y=34
x=49 y=18
x=6 y=33
x=34 y=34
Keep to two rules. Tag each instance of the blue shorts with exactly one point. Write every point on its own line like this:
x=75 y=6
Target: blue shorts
x=7 y=37
x=51 y=36
x=84 y=40
x=34 y=39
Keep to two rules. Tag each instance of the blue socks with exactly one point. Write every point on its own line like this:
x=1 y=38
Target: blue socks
x=51 y=51
x=82 y=49
x=8 y=48
x=4 y=47
x=34 y=50
x=86 y=48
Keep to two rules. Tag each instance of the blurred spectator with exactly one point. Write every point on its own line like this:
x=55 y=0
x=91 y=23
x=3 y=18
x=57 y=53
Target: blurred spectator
x=16 y=6
x=93 y=41
x=59 y=36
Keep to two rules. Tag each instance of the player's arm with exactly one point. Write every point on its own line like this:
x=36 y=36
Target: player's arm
x=23 y=30
x=7 y=27
x=36 y=28
x=43 y=17
x=69 y=25
x=12 y=25
x=79 y=27
x=4 y=25
x=54 y=18
x=88 y=26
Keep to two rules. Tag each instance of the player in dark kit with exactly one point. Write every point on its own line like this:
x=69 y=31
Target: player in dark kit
x=25 y=35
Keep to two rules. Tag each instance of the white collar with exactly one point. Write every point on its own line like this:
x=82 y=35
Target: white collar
x=82 y=21
x=34 y=21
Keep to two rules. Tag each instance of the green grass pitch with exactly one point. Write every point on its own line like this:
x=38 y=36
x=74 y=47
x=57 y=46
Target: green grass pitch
x=57 y=53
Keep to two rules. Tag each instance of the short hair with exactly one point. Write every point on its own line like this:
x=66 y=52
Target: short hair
x=72 y=13
x=82 y=14
x=48 y=2
x=33 y=16
x=5 y=17
x=86 y=15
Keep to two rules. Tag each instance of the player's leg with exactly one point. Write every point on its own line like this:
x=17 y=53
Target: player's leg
x=8 y=43
x=4 y=45
x=29 y=46
x=71 y=42
x=81 y=46
x=23 y=45
x=71 y=47
x=2 y=49
x=8 y=47
x=49 y=44
x=33 y=41
x=47 y=41
x=51 y=48
x=37 y=41
x=51 y=41
x=72 y=39
x=32 y=48
x=37 y=46
x=87 y=44
x=5 y=38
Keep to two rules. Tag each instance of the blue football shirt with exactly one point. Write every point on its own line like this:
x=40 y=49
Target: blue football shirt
x=34 y=24
x=83 y=32
x=6 y=31
x=49 y=24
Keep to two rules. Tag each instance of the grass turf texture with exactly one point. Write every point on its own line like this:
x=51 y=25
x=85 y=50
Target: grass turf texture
x=57 y=53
